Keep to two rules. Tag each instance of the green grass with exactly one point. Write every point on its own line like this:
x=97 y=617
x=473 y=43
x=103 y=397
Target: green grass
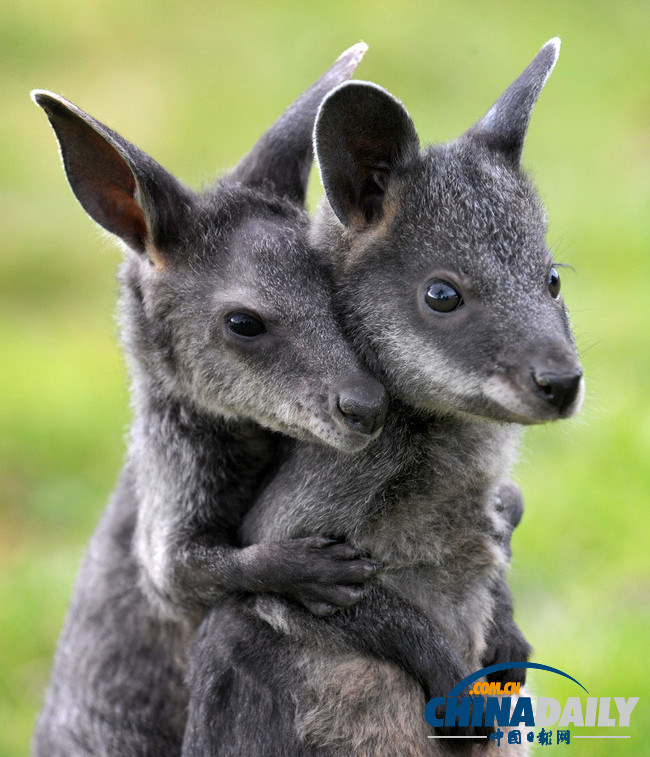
x=194 y=84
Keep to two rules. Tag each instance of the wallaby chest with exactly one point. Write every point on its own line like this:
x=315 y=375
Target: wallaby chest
x=436 y=526
x=440 y=483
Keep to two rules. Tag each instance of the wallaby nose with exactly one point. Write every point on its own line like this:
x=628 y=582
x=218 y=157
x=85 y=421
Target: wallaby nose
x=363 y=406
x=559 y=390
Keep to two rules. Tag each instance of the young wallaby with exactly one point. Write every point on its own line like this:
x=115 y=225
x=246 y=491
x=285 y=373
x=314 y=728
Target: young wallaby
x=229 y=329
x=448 y=290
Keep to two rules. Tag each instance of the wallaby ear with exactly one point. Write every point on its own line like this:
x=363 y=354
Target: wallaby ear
x=118 y=185
x=503 y=128
x=284 y=153
x=363 y=137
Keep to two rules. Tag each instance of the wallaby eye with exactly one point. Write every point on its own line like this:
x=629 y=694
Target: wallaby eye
x=245 y=324
x=554 y=283
x=442 y=297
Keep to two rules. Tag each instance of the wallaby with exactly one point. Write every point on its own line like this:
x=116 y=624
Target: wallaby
x=166 y=543
x=229 y=328
x=448 y=290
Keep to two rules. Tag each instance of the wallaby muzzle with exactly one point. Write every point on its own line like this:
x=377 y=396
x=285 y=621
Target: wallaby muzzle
x=560 y=390
x=362 y=406
x=544 y=387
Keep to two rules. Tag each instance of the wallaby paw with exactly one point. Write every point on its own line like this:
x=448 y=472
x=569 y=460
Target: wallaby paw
x=324 y=575
x=510 y=675
x=335 y=578
x=510 y=502
x=469 y=734
x=326 y=600
x=441 y=674
x=513 y=648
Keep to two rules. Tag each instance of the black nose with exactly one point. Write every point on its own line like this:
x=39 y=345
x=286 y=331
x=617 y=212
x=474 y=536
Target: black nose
x=363 y=406
x=559 y=390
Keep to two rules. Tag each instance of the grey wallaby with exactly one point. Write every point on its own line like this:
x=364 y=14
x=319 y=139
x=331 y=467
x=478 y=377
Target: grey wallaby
x=446 y=287
x=229 y=328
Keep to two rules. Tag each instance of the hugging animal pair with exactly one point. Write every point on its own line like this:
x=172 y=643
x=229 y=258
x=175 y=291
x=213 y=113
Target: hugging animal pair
x=275 y=574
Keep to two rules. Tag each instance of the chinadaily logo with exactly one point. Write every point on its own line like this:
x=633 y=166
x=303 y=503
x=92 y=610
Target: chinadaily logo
x=507 y=717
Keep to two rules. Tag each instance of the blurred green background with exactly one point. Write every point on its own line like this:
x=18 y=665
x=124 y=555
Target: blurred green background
x=194 y=84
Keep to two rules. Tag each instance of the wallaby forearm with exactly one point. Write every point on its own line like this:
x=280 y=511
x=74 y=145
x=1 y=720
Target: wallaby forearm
x=316 y=572
x=386 y=626
x=504 y=642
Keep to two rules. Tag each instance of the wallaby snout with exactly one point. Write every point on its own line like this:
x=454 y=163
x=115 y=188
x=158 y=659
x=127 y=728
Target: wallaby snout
x=362 y=406
x=560 y=390
x=540 y=387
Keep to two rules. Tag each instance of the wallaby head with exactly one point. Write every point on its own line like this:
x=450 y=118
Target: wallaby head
x=224 y=305
x=442 y=252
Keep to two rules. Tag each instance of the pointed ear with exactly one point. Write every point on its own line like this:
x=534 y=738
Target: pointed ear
x=503 y=128
x=118 y=185
x=283 y=155
x=363 y=138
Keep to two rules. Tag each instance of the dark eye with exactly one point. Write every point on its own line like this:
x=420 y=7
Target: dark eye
x=554 y=283
x=442 y=297
x=245 y=324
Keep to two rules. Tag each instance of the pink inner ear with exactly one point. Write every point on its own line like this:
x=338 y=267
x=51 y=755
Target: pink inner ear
x=101 y=180
x=118 y=212
x=128 y=213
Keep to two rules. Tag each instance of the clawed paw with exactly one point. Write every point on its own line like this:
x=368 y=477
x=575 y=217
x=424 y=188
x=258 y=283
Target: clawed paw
x=324 y=575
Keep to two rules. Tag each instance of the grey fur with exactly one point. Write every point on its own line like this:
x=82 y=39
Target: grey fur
x=208 y=404
x=426 y=498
